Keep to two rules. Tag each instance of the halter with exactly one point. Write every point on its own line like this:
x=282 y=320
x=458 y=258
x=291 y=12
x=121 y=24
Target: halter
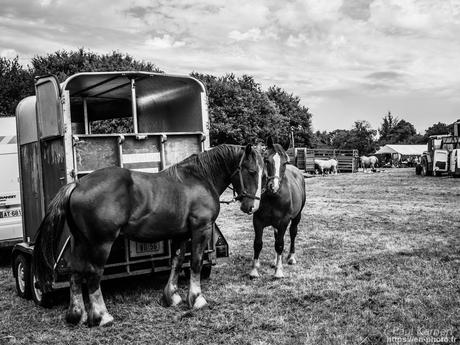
x=244 y=193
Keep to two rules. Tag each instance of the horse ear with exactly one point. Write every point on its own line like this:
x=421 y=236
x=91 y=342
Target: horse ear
x=248 y=149
x=287 y=157
x=270 y=142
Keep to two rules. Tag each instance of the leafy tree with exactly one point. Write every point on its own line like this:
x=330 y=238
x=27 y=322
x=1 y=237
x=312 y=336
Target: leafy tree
x=438 y=128
x=241 y=112
x=363 y=137
x=402 y=132
x=417 y=139
x=341 y=139
x=15 y=84
x=294 y=116
x=395 y=131
x=322 y=140
x=360 y=137
x=387 y=127
x=64 y=63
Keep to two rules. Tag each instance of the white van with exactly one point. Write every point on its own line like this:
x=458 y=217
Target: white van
x=10 y=201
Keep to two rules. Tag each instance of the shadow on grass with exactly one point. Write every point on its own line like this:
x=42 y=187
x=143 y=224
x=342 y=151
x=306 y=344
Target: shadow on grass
x=5 y=256
x=127 y=288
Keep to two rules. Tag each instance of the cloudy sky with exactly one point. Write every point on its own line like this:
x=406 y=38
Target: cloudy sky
x=347 y=60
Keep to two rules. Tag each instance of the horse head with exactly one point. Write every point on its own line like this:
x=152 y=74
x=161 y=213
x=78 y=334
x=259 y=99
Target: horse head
x=275 y=163
x=247 y=179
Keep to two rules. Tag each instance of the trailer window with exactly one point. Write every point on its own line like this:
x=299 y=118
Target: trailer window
x=49 y=114
x=437 y=143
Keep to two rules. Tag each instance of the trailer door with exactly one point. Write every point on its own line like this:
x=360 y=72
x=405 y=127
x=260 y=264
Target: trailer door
x=50 y=131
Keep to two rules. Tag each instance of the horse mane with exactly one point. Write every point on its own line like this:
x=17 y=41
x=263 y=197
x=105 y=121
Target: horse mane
x=222 y=159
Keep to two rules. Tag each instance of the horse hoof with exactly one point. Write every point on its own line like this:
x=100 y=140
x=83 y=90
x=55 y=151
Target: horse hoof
x=106 y=320
x=75 y=316
x=279 y=275
x=175 y=300
x=94 y=319
x=200 y=303
x=292 y=261
x=254 y=274
x=84 y=318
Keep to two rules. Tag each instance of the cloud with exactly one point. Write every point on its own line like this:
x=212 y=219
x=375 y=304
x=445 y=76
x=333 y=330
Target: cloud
x=386 y=75
x=164 y=42
x=296 y=40
x=357 y=9
x=8 y=53
x=370 y=48
x=250 y=35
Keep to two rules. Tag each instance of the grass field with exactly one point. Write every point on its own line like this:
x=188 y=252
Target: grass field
x=378 y=261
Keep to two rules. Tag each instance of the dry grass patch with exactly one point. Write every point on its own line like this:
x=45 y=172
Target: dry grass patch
x=378 y=256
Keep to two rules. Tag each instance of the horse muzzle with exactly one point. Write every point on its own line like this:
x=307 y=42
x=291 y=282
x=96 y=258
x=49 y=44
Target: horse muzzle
x=250 y=209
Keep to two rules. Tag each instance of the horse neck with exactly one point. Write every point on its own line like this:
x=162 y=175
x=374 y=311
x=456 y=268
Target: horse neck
x=217 y=165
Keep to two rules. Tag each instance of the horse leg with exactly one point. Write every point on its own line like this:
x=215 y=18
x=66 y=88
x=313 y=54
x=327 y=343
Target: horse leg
x=76 y=312
x=258 y=229
x=97 y=314
x=200 y=237
x=293 y=233
x=279 y=247
x=170 y=294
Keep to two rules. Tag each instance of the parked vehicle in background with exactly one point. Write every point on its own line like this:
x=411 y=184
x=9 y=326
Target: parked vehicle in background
x=10 y=199
x=442 y=156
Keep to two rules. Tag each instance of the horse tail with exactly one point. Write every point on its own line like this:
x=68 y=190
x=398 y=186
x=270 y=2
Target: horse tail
x=48 y=235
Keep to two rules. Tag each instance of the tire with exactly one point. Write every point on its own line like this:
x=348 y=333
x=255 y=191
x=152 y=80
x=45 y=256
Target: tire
x=425 y=171
x=22 y=276
x=40 y=298
x=418 y=169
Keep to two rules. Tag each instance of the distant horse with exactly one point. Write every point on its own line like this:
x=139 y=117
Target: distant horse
x=281 y=204
x=368 y=162
x=328 y=165
x=178 y=203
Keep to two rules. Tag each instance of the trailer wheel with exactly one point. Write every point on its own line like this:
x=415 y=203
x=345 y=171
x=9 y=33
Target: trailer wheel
x=22 y=276
x=43 y=299
x=424 y=171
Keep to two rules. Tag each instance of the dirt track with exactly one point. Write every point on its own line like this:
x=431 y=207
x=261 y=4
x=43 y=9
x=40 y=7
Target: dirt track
x=378 y=257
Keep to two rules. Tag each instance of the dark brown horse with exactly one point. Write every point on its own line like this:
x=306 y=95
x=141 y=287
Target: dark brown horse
x=178 y=203
x=281 y=204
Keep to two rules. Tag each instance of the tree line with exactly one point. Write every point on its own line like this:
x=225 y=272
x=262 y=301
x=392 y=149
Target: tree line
x=240 y=110
x=365 y=139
